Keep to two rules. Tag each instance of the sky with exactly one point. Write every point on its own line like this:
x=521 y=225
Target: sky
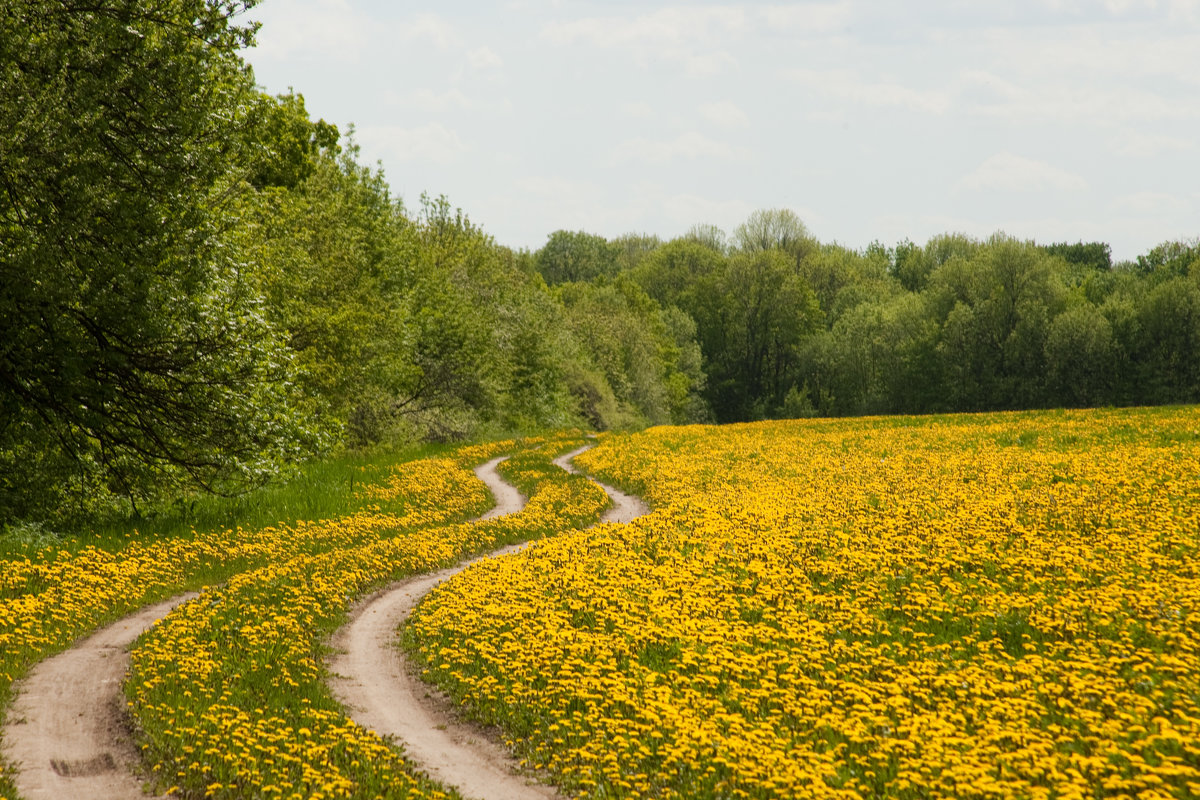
x=873 y=120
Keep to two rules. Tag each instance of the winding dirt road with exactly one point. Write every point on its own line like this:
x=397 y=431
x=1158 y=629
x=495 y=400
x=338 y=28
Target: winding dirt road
x=68 y=732
x=382 y=691
x=625 y=508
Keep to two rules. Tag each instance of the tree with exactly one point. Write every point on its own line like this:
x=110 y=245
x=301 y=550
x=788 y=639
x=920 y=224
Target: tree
x=709 y=236
x=763 y=311
x=135 y=353
x=673 y=273
x=331 y=259
x=576 y=256
x=776 y=228
x=1079 y=357
x=843 y=278
x=632 y=249
x=648 y=358
x=1169 y=347
x=912 y=265
x=283 y=143
x=1090 y=255
x=996 y=308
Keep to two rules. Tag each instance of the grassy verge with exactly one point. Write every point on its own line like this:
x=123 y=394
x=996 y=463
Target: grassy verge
x=319 y=489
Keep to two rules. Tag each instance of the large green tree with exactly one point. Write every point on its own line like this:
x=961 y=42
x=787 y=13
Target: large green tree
x=751 y=326
x=133 y=352
x=577 y=256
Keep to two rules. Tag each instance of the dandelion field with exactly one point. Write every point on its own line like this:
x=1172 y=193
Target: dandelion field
x=983 y=606
x=247 y=712
x=986 y=606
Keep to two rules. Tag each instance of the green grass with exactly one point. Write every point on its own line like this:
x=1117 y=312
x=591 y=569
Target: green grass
x=318 y=489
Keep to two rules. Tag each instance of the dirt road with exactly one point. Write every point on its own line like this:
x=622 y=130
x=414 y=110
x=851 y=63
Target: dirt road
x=67 y=730
x=383 y=692
x=625 y=508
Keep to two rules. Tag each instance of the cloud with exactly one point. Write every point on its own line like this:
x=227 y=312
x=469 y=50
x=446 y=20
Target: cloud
x=1095 y=54
x=556 y=188
x=700 y=64
x=639 y=110
x=428 y=28
x=1185 y=10
x=807 y=17
x=429 y=101
x=725 y=114
x=847 y=85
x=1151 y=204
x=1134 y=144
x=558 y=203
x=1100 y=72
x=1008 y=172
x=1087 y=73
x=690 y=145
x=1073 y=102
x=691 y=37
x=325 y=28
x=433 y=142
x=686 y=210
x=988 y=85
x=664 y=26
x=426 y=101
x=484 y=58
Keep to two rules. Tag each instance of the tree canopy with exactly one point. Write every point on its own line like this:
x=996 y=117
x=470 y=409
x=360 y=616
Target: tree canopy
x=134 y=349
x=200 y=284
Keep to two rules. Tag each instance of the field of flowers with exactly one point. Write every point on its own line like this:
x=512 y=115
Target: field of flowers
x=229 y=693
x=983 y=606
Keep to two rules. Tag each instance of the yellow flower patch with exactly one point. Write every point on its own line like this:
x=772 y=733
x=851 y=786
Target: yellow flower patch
x=984 y=606
x=47 y=602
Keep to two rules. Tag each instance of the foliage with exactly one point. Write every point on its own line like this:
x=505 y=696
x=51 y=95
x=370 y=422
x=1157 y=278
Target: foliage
x=647 y=356
x=135 y=354
x=283 y=143
x=577 y=256
x=1092 y=255
x=773 y=229
x=956 y=324
x=633 y=247
x=1176 y=258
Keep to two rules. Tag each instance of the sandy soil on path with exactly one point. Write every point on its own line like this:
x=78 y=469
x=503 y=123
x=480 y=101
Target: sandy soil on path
x=68 y=730
x=381 y=690
x=384 y=692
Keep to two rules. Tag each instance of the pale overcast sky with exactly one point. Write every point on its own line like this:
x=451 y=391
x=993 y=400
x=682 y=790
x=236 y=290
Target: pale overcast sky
x=1055 y=120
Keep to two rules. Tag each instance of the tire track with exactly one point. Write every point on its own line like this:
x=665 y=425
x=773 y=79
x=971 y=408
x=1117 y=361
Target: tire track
x=67 y=730
x=625 y=508
x=382 y=690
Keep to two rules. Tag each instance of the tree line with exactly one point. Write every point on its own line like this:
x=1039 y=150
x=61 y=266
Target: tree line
x=201 y=285
x=789 y=326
